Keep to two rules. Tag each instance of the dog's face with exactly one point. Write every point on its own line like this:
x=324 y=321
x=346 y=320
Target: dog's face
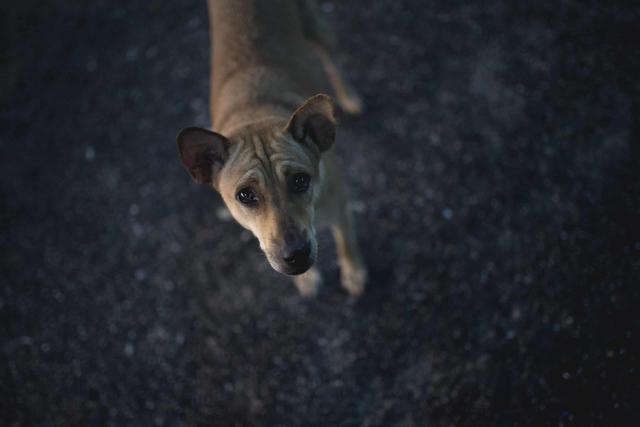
x=269 y=177
x=270 y=185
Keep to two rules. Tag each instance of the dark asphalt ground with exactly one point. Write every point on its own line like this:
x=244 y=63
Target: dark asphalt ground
x=495 y=179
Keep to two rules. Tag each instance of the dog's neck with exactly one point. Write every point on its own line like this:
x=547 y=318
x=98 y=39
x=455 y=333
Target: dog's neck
x=248 y=97
x=261 y=67
x=238 y=116
x=241 y=123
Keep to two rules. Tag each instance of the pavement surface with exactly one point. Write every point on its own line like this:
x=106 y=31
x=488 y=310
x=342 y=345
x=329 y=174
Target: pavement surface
x=495 y=185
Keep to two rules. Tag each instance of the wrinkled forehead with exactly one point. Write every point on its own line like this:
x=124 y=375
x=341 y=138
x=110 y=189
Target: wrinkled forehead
x=264 y=157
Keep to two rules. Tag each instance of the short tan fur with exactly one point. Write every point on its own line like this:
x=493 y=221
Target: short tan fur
x=271 y=156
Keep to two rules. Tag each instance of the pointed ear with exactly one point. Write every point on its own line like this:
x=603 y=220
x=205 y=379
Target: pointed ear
x=203 y=153
x=314 y=120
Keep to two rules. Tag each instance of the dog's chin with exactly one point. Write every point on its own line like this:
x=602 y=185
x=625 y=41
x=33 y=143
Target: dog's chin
x=292 y=271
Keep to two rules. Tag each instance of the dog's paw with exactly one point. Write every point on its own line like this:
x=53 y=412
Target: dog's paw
x=351 y=102
x=354 y=278
x=308 y=283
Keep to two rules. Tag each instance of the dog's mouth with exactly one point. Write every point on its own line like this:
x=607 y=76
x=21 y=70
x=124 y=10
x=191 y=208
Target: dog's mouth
x=292 y=270
x=293 y=266
x=294 y=258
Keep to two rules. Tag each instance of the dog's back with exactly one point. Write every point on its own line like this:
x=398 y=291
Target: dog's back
x=260 y=60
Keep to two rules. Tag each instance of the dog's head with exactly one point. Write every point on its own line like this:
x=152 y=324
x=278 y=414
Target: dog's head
x=269 y=177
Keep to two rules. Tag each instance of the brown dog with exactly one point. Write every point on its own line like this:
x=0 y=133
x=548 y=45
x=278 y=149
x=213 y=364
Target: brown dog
x=271 y=156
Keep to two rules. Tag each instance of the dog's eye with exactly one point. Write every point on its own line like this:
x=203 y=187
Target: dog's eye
x=299 y=183
x=247 y=196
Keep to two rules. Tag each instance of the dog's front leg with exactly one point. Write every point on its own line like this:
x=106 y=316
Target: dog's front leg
x=353 y=272
x=308 y=282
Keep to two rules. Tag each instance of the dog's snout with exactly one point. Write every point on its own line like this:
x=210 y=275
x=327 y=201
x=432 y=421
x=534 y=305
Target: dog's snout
x=292 y=237
x=297 y=255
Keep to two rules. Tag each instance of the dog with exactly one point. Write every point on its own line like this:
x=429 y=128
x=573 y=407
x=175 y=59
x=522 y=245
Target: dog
x=271 y=156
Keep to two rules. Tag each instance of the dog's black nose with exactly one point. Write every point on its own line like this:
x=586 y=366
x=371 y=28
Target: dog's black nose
x=297 y=255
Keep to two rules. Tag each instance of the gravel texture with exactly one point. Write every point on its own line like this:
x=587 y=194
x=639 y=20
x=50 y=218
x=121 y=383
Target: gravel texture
x=496 y=191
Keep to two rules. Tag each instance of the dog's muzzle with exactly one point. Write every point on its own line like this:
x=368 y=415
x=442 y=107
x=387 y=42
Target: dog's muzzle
x=296 y=258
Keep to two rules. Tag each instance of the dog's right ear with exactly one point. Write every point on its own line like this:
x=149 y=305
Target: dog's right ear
x=315 y=120
x=203 y=153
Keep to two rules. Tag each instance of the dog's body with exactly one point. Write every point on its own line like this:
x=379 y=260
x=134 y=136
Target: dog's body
x=271 y=156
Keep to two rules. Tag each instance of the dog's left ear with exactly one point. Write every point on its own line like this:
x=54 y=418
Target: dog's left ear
x=315 y=119
x=203 y=153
